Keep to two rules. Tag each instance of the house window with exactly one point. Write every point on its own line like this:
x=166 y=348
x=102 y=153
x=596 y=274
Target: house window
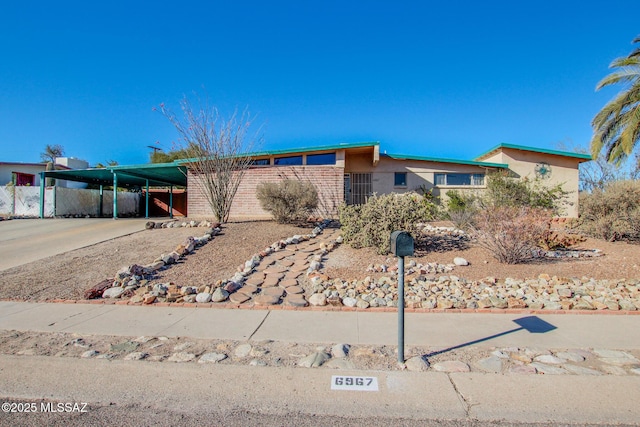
x=288 y=161
x=459 y=179
x=321 y=159
x=20 y=179
x=400 y=179
x=260 y=162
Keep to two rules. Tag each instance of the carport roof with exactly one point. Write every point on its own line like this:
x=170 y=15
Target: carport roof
x=158 y=174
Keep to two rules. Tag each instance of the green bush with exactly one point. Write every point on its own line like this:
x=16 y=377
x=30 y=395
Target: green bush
x=613 y=213
x=289 y=200
x=503 y=190
x=371 y=224
x=461 y=209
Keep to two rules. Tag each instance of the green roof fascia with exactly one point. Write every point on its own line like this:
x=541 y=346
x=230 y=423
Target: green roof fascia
x=439 y=160
x=581 y=156
x=341 y=146
x=159 y=174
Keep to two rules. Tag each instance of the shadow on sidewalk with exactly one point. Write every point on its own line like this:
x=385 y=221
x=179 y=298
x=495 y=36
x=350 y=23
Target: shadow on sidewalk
x=532 y=324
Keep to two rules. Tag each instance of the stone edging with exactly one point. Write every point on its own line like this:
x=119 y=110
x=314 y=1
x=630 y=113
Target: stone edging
x=229 y=305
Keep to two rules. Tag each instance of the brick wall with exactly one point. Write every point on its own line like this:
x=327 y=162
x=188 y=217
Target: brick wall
x=329 y=181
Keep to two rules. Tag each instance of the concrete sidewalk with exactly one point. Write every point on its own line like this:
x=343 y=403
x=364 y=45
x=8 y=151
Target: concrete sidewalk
x=472 y=397
x=27 y=240
x=425 y=329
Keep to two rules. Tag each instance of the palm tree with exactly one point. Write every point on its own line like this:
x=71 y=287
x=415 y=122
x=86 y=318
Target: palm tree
x=51 y=152
x=617 y=126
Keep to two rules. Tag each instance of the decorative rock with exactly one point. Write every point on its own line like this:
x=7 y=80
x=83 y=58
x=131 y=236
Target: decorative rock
x=114 y=292
x=242 y=350
x=614 y=370
x=148 y=299
x=219 y=295
x=349 y=302
x=294 y=290
x=491 y=364
x=614 y=357
x=549 y=359
x=580 y=370
x=136 y=355
x=548 y=370
x=340 y=350
x=89 y=354
x=362 y=304
x=318 y=300
x=257 y=362
x=181 y=357
x=570 y=355
x=451 y=366
x=417 y=364
x=523 y=369
x=314 y=360
x=98 y=290
x=459 y=261
x=212 y=358
x=203 y=297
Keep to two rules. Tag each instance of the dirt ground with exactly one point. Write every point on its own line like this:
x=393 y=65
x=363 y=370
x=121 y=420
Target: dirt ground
x=68 y=275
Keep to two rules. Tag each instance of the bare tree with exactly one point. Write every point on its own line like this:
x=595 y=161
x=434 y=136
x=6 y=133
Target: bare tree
x=51 y=152
x=217 y=151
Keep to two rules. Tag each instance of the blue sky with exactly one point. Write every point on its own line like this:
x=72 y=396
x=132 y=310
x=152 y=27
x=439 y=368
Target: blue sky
x=442 y=79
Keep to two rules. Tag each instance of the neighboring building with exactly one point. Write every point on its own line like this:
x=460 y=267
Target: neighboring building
x=352 y=172
x=28 y=174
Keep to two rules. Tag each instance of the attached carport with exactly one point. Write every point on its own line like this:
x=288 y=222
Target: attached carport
x=135 y=176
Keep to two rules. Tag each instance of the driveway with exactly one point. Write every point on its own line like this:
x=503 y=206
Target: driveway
x=27 y=240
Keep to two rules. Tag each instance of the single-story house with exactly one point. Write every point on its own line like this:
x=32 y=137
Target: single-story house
x=28 y=174
x=346 y=173
x=352 y=172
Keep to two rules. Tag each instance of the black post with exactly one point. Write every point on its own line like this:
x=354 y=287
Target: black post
x=400 y=309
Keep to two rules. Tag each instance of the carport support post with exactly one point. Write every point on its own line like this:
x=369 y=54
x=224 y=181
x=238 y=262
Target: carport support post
x=171 y=201
x=115 y=195
x=400 y=309
x=101 y=201
x=41 y=195
x=146 y=201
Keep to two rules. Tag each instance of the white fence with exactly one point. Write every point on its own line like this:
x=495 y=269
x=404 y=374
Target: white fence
x=60 y=201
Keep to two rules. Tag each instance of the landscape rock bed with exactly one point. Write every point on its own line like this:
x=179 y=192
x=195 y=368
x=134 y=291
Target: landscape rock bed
x=162 y=349
x=290 y=272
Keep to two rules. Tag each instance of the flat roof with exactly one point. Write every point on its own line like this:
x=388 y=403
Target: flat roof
x=158 y=175
x=442 y=160
x=340 y=146
x=581 y=156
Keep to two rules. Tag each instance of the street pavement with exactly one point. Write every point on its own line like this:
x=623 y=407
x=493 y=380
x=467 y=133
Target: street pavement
x=27 y=240
x=502 y=399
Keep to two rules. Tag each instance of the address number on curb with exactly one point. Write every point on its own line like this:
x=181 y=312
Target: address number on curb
x=340 y=382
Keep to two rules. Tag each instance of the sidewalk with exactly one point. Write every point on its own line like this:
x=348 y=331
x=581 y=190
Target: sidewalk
x=462 y=397
x=424 y=329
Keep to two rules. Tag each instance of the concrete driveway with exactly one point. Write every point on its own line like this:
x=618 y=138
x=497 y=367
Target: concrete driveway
x=27 y=240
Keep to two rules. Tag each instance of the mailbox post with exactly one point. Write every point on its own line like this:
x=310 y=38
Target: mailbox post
x=401 y=244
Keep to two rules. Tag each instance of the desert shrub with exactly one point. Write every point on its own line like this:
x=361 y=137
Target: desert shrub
x=503 y=190
x=288 y=200
x=461 y=209
x=613 y=213
x=511 y=233
x=371 y=224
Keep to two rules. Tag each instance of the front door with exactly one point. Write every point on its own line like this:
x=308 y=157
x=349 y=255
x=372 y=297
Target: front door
x=357 y=188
